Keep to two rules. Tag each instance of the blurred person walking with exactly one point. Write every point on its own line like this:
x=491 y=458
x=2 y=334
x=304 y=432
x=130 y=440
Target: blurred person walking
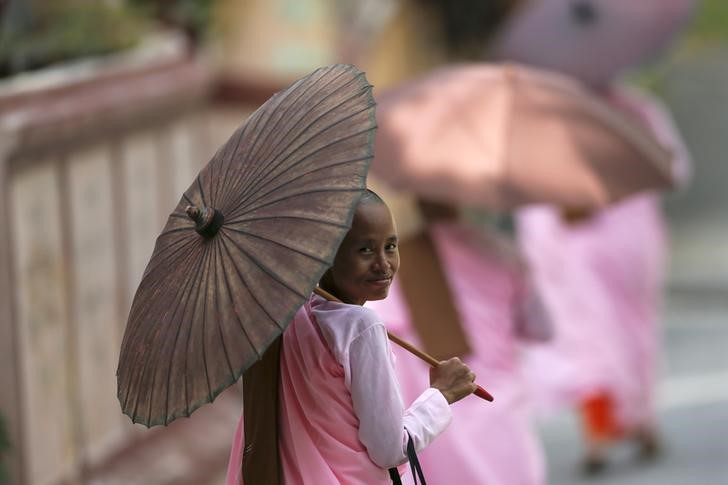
x=601 y=273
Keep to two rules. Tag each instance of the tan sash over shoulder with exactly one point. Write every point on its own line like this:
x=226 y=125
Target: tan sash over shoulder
x=261 y=460
x=429 y=299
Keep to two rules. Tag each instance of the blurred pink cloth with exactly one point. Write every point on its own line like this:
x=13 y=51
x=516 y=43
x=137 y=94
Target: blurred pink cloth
x=342 y=419
x=486 y=443
x=602 y=281
x=591 y=40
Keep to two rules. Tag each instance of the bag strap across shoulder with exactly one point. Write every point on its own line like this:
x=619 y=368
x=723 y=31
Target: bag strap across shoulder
x=414 y=466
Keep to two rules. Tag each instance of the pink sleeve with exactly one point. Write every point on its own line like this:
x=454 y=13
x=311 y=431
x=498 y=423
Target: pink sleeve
x=384 y=423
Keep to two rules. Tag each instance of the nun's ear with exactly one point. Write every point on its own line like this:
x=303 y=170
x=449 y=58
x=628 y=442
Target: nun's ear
x=326 y=278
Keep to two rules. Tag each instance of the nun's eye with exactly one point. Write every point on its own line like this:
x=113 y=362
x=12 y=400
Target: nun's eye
x=584 y=12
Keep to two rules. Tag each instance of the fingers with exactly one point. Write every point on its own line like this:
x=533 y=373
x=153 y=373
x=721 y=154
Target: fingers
x=453 y=362
x=454 y=379
x=456 y=363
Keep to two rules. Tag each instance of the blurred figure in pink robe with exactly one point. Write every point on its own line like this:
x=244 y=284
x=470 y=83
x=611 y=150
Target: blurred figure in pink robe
x=486 y=443
x=601 y=274
x=601 y=277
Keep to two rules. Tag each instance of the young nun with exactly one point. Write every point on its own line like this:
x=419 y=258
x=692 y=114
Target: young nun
x=341 y=416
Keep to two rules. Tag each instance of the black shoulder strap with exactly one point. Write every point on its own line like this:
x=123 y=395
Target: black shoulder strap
x=414 y=466
x=394 y=476
x=415 y=463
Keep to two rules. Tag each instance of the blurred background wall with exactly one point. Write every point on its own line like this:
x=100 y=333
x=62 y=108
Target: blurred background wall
x=107 y=111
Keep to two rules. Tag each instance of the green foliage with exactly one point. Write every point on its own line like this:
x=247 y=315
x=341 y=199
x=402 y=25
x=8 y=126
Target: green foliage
x=707 y=31
x=36 y=34
x=192 y=16
x=710 y=24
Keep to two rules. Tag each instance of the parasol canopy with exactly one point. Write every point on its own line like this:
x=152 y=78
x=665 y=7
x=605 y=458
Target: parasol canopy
x=501 y=136
x=592 y=40
x=246 y=245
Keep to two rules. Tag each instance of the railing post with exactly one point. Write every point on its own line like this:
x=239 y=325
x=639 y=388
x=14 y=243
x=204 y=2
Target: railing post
x=10 y=405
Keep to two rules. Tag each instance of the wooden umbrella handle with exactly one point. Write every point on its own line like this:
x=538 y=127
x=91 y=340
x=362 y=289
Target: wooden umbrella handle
x=480 y=392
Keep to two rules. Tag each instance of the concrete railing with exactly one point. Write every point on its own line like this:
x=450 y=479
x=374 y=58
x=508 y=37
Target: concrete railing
x=90 y=167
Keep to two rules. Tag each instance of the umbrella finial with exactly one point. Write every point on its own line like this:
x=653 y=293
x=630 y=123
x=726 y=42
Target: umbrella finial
x=207 y=220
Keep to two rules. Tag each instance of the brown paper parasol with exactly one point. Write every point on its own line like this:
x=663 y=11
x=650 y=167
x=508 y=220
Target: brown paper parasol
x=246 y=245
x=504 y=135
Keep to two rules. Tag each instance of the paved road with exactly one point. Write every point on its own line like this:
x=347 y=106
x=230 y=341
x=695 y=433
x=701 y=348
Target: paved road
x=693 y=403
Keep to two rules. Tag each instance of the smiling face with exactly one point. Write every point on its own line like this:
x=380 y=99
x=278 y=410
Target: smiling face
x=368 y=257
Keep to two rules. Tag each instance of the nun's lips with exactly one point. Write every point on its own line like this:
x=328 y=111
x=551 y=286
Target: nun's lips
x=384 y=281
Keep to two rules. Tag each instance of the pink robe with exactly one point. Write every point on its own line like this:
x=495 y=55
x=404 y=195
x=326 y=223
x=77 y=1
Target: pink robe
x=486 y=443
x=342 y=418
x=602 y=282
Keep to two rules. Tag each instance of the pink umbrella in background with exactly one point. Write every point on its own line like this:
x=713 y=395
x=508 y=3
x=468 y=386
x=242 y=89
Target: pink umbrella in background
x=504 y=135
x=592 y=40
